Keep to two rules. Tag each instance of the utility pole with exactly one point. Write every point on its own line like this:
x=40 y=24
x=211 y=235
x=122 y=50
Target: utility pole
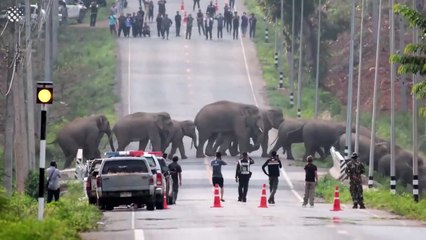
x=375 y=97
x=292 y=56
x=55 y=27
x=29 y=87
x=299 y=81
x=348 y=147
x=48 y=44
x=392 y=84
x=318 y=57
x=358 y=91
x=415 y=126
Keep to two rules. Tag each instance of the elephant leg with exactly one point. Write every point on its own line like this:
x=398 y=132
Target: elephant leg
x=155 y=141
x=209 y=148
x=182 y=150
x=201 y=141
x=142 y=144
x=264 y=145
x=233 y=150
x=122 y=144
x=68 y=161
x=226 y=144
x=172 y=151
x=287 y=149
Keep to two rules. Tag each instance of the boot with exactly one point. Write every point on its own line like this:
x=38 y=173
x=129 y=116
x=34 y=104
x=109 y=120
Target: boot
x=361 y=206
x=355 y=206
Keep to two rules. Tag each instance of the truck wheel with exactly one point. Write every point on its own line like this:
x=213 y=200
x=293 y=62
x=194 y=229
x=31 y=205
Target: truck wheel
x=150 y=206
x=109 y=207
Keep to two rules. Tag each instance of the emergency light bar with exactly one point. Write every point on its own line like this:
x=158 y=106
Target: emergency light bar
x=134 y=153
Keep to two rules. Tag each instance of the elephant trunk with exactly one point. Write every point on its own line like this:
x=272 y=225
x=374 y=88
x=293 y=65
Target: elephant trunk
x=194 y=141
x=111 y=144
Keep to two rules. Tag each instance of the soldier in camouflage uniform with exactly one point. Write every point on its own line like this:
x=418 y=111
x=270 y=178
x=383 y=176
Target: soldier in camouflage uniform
x=354 y=169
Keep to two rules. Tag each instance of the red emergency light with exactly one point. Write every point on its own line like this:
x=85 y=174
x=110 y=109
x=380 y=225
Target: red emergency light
x=140 y=153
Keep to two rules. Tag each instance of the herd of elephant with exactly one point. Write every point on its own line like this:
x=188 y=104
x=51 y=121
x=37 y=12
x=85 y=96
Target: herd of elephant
x=229 y=126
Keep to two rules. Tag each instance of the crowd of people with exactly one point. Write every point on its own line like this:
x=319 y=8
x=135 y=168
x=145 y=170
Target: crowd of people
x=137 y=24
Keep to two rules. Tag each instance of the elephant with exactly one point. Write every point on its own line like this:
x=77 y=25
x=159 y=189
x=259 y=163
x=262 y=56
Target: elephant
x=294 y=126
x=381 y=148
x=272 y=118
x=226 y=116
x=179 y=130
x=143 y=127
x=85 y=133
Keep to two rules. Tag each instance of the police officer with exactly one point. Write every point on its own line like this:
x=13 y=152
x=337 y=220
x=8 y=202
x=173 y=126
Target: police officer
x=242 y=176
x=274 y=165
x=176 y=173
x=211 y=10
x=189 y=22
x=208 y=25
x=220 y=21
x=252 y=24
x=235 y=25
x=178 y=21
x=159 y=20
x=200 y=25
x=354 y=169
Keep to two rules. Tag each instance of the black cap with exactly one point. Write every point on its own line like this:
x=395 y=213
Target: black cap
x=354 y=155
x=53 y=163
x=175 y=158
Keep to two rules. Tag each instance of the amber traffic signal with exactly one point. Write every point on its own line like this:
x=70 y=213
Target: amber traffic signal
x=44 y=93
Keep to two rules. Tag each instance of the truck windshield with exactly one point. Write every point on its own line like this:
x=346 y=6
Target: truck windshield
x=125 y=166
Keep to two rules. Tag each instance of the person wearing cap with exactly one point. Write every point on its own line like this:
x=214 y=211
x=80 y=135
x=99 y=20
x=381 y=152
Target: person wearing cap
x=311 y=180
x=354 y=169
x=217 y=177
x=242 y=176
x=274 y=165
x=53 y=186
x=176 y=173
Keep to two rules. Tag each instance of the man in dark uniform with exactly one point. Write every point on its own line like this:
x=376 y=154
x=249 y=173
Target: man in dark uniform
x=242 y=176
x=235 y=25
x=176 y=173
x=220 y=21
x=200 y=25
x=189 y=23
x=252 y=23
x=311 y=180
x=208 y=25
x=159 y=20
x=196 y=2
x=121 y=24
x=227 y=14
x=210 y=11
x=274 y=165
x=165 y=26
x=93 y=13
x=162 y=7
x=354 y=169
x=178 y=21
x=217 y=177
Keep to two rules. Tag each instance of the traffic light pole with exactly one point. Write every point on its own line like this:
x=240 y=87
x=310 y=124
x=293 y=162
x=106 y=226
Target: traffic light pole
x=42 y=161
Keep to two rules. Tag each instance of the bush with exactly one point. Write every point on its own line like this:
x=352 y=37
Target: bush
x=31 y=184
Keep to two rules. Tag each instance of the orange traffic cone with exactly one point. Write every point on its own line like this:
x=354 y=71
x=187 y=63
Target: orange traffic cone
x=182 y=7
x=336 y=201
x=263 y=203
x=216 y=201
x=165 y=206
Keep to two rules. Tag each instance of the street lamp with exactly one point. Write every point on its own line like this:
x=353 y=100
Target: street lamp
x=44 y=97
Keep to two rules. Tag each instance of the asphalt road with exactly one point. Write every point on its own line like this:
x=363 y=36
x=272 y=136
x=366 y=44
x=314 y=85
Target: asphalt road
x=180 y=76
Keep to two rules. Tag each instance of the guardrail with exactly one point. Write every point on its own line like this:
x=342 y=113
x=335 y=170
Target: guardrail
x=339 y=165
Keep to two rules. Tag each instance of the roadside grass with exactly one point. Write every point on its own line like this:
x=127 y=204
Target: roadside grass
x=62 y=220
x=84 y=77
x=400 y=203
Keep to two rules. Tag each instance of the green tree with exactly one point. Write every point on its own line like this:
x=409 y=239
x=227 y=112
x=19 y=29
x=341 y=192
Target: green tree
x=413 y=59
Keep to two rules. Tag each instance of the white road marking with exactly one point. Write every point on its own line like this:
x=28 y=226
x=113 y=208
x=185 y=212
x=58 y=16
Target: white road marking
x=286 y=177
x=139 y=235
x=133 y=220
x=128 y=82
x=342 y=232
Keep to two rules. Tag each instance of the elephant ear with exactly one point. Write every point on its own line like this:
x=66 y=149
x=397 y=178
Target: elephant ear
x=247 y=112
x=163 y=119
x=102 y=123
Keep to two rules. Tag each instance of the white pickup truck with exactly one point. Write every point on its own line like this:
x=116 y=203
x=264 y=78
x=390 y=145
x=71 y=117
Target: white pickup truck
x=123 y=181
x=72 y=10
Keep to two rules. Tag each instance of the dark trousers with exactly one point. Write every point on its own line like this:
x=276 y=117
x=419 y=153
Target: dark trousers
x=201 y=27
x=175 y=191
x=228 y=26
x=220 y=32
x=273 y=186
x=112 y=29
x=232 y=3
x=196 y=2
x=252 y=31
x=121 y=29
x=159 y=30
x=126 y=31
x=235 y=32
x=188 y=33
x=356 y=193
x=53 y=194
x=208 y=33
x=177 y=30
x=93 y=19
x=243 y=182
x=165 y=33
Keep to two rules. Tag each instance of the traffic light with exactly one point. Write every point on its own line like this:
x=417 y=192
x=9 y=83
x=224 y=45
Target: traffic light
x=44 y=92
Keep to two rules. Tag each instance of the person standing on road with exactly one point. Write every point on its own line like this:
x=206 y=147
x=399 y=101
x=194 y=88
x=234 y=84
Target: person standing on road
x=178 y=22
x=210 y=11
x=235 y=26
x=165 y=26
x=311 y=180
x=121 y=25
x=162 y=7
x=217 y=177
x=93 y=13
x=189 y=23
x=128 y=23
x=227 y=14
x=274 y=165
x=200 y=18
x=208 y=25
x=220 y=21
x=151 y=11
x=176 y=173
x=112 y=21
x=159 y=20
x=232 y=4
x=252 y=23
x=196 y=2
x=242 y=176
x=353 y=170
x=53 y=186
x=244 y=24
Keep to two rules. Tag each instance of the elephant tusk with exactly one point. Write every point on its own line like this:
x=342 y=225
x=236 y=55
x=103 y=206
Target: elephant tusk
x=261 y=131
